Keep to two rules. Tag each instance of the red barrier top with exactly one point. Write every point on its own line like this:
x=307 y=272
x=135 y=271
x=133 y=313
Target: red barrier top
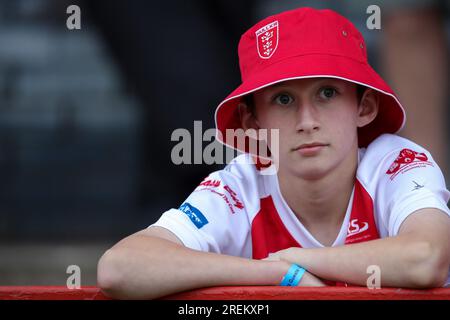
x=237 y=293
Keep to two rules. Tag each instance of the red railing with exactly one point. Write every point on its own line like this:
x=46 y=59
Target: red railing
x=236 y=293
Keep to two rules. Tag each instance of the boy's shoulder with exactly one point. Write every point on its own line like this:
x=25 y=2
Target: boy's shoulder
x=238 y=184
x=240 y=172
x=389 y=156
x=388 y=141
x=241 y=165
x=387 y=146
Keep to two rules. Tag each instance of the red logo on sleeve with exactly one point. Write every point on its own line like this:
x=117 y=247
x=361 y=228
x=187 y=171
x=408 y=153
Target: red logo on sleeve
x=230 y=197
x=210 y=183
x=408 y=159
x=238 y=204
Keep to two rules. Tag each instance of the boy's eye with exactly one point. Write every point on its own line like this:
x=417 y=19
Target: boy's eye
x=283 y=99
x=328 y=92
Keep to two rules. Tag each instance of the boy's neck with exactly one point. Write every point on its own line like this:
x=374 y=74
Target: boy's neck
x=321 y=203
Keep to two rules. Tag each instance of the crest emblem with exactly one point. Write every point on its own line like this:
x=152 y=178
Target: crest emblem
x=267 y=40
x=405 y=157
x=407 y=160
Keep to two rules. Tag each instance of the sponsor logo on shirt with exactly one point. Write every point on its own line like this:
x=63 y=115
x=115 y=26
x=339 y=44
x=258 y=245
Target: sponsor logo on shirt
x=417 y=186
x=407 y=160
x=194 y=214
x=356 y=228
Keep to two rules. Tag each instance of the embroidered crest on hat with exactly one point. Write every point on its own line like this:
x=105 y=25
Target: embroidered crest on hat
x=267 y=40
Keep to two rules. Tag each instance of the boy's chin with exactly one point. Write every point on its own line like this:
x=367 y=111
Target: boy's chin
x=311 y=176
x=311 y=171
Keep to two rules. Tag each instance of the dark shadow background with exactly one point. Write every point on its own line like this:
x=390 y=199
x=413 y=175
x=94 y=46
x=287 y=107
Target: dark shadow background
x=86 y=118
x=87 y=115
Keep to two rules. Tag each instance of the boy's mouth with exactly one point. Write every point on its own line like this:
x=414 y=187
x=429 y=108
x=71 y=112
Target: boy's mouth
x=311 y=145
x=310 y=149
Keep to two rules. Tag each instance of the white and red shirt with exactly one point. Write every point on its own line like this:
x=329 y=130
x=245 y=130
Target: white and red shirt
x=240 y=210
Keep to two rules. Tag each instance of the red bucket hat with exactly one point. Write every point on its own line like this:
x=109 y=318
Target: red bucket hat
x=307 y=43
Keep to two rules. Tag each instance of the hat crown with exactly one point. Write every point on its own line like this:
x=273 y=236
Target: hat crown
x=303 y=31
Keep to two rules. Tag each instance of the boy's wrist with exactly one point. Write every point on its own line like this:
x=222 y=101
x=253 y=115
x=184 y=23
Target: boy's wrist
x=273 y=271
x=282 y=269
x=293 y=277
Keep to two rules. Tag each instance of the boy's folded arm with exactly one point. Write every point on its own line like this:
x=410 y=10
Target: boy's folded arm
x=430 y=229
x=154 y=263
x=418 y=257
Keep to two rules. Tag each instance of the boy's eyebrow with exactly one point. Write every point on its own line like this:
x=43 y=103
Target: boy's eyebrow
x=318 y=80
x=278 y=84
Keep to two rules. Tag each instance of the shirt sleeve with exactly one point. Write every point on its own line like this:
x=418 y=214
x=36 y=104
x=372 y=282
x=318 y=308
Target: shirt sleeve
x=412 y=180
x=214 y=216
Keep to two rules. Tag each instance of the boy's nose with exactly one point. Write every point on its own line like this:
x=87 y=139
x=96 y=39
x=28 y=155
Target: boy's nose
x=306 y=118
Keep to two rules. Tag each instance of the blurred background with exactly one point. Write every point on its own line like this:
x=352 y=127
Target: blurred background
x=86 y=116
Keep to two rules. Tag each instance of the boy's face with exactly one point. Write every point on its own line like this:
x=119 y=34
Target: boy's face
x=317 y=120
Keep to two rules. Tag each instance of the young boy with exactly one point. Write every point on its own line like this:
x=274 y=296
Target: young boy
x=347 y=194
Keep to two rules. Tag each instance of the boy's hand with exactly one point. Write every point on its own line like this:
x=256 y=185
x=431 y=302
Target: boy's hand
x=308 y=279
x=282 y=255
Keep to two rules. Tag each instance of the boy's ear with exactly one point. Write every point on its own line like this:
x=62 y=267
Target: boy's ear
x=248 y=119
x=368 y=107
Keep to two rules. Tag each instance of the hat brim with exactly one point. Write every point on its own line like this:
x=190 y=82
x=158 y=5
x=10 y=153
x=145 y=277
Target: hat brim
x=391 y=115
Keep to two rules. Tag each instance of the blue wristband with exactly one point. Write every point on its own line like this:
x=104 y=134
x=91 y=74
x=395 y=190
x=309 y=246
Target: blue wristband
x=293 y=276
